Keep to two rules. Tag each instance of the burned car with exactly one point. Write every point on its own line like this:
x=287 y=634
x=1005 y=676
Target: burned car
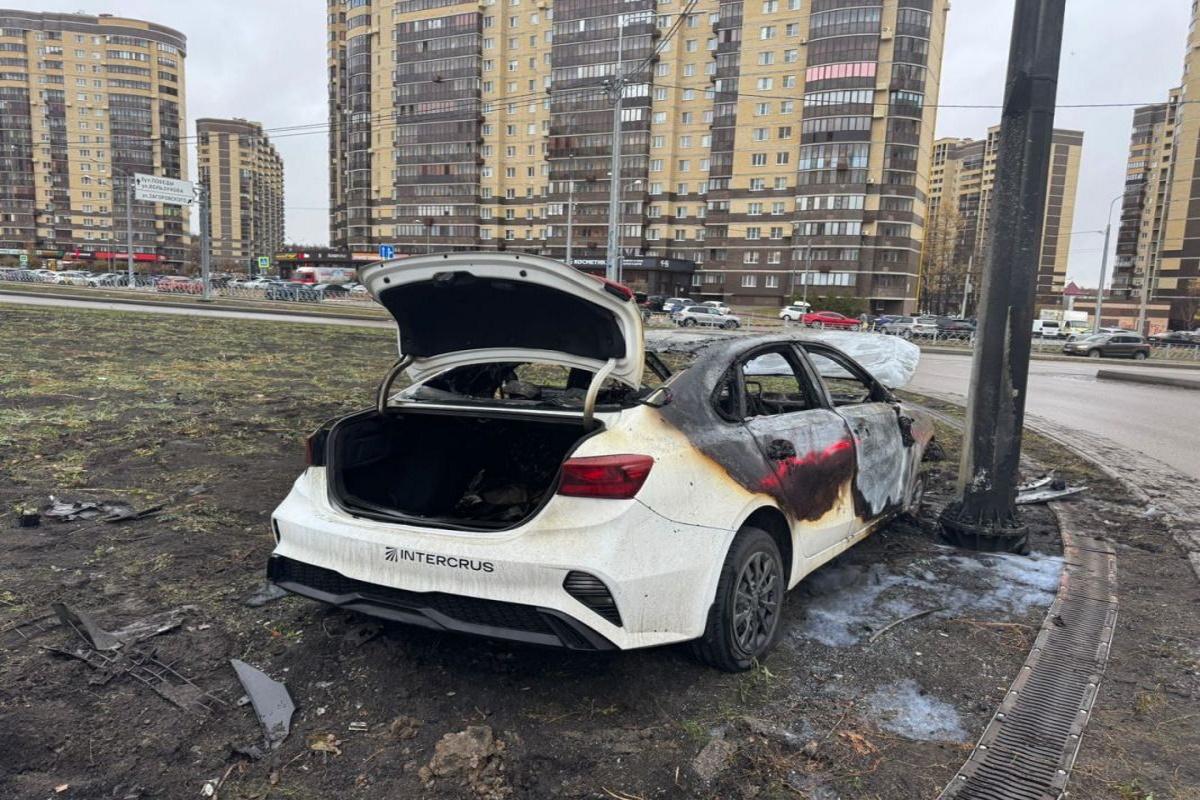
x=543 y=478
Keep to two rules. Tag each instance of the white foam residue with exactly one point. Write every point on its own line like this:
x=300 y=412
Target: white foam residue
x=847 y=602
x=903 y=708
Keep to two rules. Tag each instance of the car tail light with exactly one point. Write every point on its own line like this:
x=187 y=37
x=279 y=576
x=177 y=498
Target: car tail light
x=613 y=477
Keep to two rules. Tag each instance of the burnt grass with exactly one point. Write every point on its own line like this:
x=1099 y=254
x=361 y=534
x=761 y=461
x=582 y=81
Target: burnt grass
x=206 y=417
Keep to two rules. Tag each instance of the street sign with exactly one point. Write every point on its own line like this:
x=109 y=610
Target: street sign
x=163 y=190
x=387 y=251
x=23 y=258
x=264 y=262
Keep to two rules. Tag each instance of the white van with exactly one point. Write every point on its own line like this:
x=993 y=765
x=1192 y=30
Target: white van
x=1047 y=328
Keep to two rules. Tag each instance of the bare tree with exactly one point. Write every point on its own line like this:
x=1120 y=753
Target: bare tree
x=943 y=269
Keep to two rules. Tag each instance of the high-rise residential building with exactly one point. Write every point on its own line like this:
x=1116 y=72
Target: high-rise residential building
x=243 y=178
x=774 y=143
x=962 y=177
x=87 y=101
x=1158 y=247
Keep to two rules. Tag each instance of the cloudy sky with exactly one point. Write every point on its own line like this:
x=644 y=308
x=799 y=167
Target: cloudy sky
x=265 y=60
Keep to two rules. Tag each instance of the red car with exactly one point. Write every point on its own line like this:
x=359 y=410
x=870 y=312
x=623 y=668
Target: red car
x=830 y=319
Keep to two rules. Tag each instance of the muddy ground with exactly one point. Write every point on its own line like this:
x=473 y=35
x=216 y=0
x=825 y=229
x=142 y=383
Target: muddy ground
x=206 y=418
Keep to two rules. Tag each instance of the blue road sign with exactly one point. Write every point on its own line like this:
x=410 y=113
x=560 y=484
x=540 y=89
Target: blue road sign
x=387 y=251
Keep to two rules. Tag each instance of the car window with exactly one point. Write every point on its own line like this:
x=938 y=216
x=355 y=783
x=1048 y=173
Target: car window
x=846 y=387
x=774 y=384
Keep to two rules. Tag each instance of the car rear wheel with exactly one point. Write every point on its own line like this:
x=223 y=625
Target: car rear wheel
x=1093 y=353
x=818 y=325
x=689 y=322
x=729 y=325
x=1139 y=356
x=744 y=620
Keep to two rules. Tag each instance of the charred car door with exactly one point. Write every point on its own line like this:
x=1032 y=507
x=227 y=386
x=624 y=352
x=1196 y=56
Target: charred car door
x=881 y=446
x=806 y=446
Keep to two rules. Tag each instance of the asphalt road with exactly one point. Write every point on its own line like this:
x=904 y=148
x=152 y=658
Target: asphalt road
x=1158 y=421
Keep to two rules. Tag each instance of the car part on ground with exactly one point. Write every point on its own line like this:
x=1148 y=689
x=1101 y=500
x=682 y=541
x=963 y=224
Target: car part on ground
x=272 y=704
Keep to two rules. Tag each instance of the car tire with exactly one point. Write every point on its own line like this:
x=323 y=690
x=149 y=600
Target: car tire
x=752 y=561
x=687 y=323
x=1139 y=356
x=912 y=509
x=729 y=325
x=1093 y=353
x=819 y=325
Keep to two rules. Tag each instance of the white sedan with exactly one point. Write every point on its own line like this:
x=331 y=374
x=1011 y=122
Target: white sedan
x=544 y=479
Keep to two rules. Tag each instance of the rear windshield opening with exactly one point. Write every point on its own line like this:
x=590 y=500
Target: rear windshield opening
x=524 y=384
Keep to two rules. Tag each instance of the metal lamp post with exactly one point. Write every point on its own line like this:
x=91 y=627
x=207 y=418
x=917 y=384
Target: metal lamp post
x=1104 y=263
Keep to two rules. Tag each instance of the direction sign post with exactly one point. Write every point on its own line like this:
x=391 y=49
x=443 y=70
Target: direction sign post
x=264 y=264
x=153 y=189
x=24 y=259
x=387 y=251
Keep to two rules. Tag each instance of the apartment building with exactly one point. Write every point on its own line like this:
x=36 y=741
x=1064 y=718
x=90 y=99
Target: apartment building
x=772 y=143
x=962 y=177
x=243 y=176
x=86 y=101
x=1158 y=246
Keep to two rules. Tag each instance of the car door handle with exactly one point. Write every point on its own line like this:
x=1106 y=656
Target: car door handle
x=780 y=449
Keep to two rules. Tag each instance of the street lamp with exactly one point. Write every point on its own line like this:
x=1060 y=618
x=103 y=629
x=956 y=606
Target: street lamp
x=1104 y=263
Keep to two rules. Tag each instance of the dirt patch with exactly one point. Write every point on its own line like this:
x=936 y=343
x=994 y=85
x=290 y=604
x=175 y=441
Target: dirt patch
x=205 y=417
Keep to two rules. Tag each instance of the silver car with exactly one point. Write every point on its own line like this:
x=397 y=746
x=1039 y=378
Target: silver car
x=705 y=315
x=908 y=327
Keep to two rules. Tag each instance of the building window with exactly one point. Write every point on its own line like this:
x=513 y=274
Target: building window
x=772 y=281
x=757 y=184
x=750 y=281
x=766 y=32
x=753 y=233
x=758 y=159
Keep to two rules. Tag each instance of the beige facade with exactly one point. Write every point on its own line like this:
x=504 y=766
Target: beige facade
x=771 y=142
x=243 y=177
x=1158 y=248
x=88 y=100
x=960 y=194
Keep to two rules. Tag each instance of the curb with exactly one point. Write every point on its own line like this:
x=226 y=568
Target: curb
x=1149 y=363
x=136 y=301
x=1157 y=380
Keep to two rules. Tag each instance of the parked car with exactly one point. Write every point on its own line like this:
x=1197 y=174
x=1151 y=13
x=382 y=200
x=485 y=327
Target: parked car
x=718 y=305
x=954 y=328
x=355 y=288
x=1175 y=339
x=71 y=277
x=1048 y=328
x=560 y=523
x=830 y=319
x=910 y=327
x=673 y=304
x=292 y=291
x=1121 y=345
x=1074 y=337
x=794 y=312
x=327 y=291
x=705 y=315
x=108 y=279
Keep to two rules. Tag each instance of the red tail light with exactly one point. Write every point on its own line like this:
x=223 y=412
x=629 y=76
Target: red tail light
x=614 y=477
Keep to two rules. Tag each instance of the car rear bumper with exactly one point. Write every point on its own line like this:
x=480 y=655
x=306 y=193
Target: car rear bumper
x=437 y=610
x=661 y=575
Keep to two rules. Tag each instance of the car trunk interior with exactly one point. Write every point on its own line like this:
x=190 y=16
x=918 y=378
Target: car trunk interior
x=455 y=470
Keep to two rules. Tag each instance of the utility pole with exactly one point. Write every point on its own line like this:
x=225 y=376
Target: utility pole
x=1156 y=256
x=129 y=226
x=984 y=514
x=615 y=87
x=570 y=209
x=1104 y=264
x=807 y=276
x=962 y=314
x=206 y=283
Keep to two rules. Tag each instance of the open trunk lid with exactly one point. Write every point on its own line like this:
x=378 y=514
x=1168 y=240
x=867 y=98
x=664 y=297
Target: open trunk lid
x=455 y=309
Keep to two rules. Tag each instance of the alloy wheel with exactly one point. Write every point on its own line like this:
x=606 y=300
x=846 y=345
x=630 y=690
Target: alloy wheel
x=756 y=602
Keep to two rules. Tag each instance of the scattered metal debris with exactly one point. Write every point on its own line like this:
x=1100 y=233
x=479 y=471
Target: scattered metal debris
x=358 y=726
x=153 y=625
x=1057 y=490
x=86 y=627
x=28 y=517
x=268 y=593
x=271 y=702
x=110 y=656
x=101 y=511
x=1036 y=483
x=32 y=627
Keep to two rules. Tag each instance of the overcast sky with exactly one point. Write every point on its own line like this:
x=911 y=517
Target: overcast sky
x=265 y=60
